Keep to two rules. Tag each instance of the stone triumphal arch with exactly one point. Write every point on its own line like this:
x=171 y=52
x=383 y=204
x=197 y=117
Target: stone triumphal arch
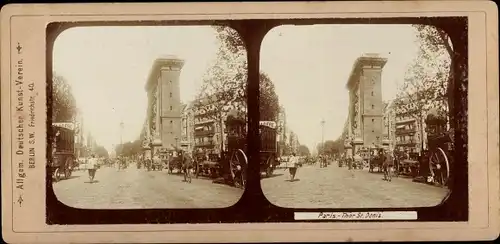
x=162 y=126
x=364 y=123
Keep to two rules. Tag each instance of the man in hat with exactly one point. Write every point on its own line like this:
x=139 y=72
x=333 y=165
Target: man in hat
x=92 y=164
x=294 y=161
x=187 y=165
x=387 y=164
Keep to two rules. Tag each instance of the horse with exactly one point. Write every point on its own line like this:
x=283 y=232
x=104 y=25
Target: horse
x=174 y=163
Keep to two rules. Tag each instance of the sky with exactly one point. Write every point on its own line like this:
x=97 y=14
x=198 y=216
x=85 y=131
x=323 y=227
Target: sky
x=107 y=68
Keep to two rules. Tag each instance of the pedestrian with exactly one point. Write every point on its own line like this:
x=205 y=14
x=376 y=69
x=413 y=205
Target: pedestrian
x=92 y=164
x=187 y=165
x=388 y=163
x=293 y=167
x=156 y=161
x=349 y=162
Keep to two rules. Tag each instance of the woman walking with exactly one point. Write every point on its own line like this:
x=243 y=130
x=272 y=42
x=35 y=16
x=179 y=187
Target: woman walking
x=187 y=166
x=92 y=167
x=388 y=164
x=293 y=167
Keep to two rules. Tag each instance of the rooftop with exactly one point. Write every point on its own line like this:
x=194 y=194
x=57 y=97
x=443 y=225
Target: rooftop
x=373 y=59
x=162 y=61
x=169 y=56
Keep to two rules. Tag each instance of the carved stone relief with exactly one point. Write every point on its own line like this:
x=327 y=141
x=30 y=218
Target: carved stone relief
x=154 y=104
x=356 y=110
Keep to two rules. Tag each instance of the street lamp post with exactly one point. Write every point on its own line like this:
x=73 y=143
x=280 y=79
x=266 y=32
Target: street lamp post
x=121 y=137
x=323 y=136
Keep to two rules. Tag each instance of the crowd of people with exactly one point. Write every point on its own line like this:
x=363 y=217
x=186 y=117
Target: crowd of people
x=179 y=159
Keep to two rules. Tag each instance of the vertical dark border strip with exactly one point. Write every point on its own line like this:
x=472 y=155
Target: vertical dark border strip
x=49 y=192
x=459 y=36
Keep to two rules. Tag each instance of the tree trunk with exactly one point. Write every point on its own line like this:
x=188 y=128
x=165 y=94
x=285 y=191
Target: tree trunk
x=221 y=135
x=422 y=143
x=450 y=92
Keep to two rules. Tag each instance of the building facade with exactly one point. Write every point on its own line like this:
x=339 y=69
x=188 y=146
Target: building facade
x=208 y=126
x=365 y=121
x=187 y=122
x=80 y=149
x=389 y=135
x=410 y=132
x=164 y=107
x=293 y=142
x=282 y=131
x=405 y=129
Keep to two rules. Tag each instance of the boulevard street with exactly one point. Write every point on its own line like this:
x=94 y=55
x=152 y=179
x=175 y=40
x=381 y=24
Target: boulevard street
x=335 y=187
x=314 y=187
x=138 y=188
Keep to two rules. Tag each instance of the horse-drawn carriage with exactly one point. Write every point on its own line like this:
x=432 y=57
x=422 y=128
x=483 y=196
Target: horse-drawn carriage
x=207 y=164
x=407 y=164
x=440 y=143
x=63 y=151
x=158 y=162
x=238 y=161
x=372 y=156
x=173 y=160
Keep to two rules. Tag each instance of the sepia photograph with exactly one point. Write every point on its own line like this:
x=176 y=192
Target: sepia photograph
x=148 y=117
x=254 y=122
x=363 y=115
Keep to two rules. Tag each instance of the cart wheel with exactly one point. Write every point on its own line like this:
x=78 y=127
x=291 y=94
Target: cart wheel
x=197 y=171
x=68 y=168
x=237 y=164
x=270 y=166
x=440 y=166
x=56 y=175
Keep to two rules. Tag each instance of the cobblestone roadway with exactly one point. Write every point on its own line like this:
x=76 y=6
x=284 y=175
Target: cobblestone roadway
x=138 y=188
x=335 y=187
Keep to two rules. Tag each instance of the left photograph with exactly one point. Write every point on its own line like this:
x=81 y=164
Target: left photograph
x=143 y=117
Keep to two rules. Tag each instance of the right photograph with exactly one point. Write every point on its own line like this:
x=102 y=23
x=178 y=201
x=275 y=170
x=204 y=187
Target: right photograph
x=360 y=115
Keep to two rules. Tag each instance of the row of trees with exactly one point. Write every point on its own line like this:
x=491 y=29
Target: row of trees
x=331 y=147
x=129 y=149
x=64 y=109
x=63 y=101
x=429 y=80
x=286 y=149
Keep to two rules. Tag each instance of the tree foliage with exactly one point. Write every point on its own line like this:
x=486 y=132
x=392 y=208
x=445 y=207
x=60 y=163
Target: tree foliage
x=303 y=151
x=284 y=148
x=100 y=151
x=331 y=147
x=63 y=101
x=291 y=138
x=129 y=149
x=224 y=84
x=429 y=78
x=268 y=102
x=225 y=80
x=426 y=83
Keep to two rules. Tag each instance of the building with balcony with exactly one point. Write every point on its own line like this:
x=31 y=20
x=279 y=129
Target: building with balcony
x=208 y=125
x=293 y=142
x=365 y=117
x=162 y=127
x=409 y=130
x=187 y=125
x=282 y=132
x=389 y=120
